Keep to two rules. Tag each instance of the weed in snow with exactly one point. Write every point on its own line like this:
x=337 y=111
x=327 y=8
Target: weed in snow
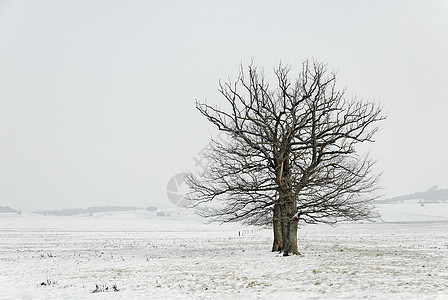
x=48 y=282
x=104 y=288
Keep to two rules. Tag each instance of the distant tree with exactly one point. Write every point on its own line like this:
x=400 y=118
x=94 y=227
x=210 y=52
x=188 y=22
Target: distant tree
x=290 y=154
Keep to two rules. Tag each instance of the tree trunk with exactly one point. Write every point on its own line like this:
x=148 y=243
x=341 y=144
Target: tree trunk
x=276 y=222
x=285 y=234
x=287 y=206
x=290 y=226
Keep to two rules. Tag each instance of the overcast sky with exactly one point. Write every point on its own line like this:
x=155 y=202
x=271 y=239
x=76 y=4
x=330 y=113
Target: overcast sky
x=97 y=97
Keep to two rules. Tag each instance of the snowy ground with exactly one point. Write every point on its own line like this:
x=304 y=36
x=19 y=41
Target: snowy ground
x=47 y=257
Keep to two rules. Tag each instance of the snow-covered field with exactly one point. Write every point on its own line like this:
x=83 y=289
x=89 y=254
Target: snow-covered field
x=179 y=257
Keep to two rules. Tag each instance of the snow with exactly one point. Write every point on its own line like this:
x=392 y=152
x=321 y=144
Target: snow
x=180 y=257
x=412 y=211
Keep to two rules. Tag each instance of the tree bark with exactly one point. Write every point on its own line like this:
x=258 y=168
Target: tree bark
x=285 y=235
x=290 y=226
x=277 y=224
x=292 y=238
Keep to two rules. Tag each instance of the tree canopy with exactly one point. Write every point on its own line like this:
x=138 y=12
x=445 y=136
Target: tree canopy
x=291 y=153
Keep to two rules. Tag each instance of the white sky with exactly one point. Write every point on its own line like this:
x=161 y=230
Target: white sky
x=97 y=97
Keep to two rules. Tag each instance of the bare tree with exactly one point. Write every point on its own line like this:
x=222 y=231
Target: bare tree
x=291 y=153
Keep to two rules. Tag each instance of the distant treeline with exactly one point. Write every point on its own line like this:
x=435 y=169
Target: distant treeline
x=434 y=195
x=6 y=209
x=90 y=210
